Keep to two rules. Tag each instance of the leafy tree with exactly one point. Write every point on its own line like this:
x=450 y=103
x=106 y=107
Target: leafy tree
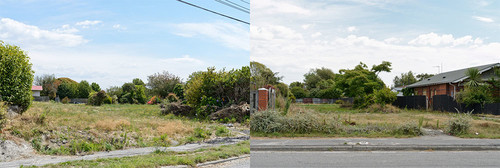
x=97 y=98
x=84 y=89
x=408 y=91
x=475 y=91
x=47 y=83
x=114 y=91
x=218 y=87
x=69 y=90
x=296 y=84
x=423 y=76
x=95 y=87
x=315 y=76
x=383 y=67
x=299 y=92
x=16 y=77
x=385 y=96
x=140 y=94
x=282 y=88
x=179 y=91
x=475 y=95
x=262 y=75
x=137 y=81
x=162 y=84
x=329 y=93
x=361 y=83
x=405 y=79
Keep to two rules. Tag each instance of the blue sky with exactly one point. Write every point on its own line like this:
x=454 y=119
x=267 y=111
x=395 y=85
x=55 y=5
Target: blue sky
x=111 y=42
x=293 y=36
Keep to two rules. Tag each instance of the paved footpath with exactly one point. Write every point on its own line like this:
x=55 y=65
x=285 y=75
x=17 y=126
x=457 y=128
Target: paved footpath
x=43 y=160
x=436 y=143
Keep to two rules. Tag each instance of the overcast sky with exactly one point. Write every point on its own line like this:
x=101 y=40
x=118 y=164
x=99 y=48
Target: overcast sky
x=113 y=41
x=293 y=36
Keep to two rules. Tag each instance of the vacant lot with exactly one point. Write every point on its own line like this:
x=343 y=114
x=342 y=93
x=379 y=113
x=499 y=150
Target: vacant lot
x=69 y=129
x=347 y=122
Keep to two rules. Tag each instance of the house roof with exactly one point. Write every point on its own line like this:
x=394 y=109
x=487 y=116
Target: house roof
x=451 y=76
x=36 y=88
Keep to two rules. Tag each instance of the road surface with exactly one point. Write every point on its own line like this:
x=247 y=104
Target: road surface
x=376 y=159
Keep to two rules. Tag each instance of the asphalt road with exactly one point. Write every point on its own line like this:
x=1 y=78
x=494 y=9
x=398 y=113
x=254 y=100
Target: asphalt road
x=376 y=159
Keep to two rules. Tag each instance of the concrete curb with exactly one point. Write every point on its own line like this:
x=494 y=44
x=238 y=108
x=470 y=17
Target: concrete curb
x=374 y=148
x=222 y=161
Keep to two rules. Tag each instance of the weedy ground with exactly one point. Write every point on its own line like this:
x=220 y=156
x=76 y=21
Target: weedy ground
x=375 y=121
x=75 y=129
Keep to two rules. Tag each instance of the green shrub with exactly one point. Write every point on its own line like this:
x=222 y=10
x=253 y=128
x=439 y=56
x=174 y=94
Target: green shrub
x=459 y=124
x=339 y=102
x=16 y=77
x=3 y=113
x=108 y=100
x=408 y=129
x=97 y=98
x=65 y=100
x=222 y=131
x=385 y=96
x=201 y=133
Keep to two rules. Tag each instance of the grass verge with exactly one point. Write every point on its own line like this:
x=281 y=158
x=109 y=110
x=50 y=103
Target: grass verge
x=158 y=159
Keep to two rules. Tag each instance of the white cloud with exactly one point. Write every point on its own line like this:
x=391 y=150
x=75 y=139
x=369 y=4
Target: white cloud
x=483 y=19
x=119 y=27
x=66 y=29
x=185 y=59
x=306 y=26
x=231 y=35
x=88 y=23
x=317 y=34
x=274 y=7
x=433 y=39
x=352 y=29
x=31 y=36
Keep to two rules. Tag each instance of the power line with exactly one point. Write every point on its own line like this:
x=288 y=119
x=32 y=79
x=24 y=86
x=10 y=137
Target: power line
x=232 y=6
x=213 y=12
x=245 y=1
x=238 y=5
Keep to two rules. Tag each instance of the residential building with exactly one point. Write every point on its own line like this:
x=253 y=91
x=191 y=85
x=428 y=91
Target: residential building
x=449 y=83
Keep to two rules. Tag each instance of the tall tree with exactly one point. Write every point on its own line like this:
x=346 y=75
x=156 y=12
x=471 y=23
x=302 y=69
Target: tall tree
x=84 y=89
x=315 y=76
x=423 y=76
x=95 y=87
x=405 y=79
x=262 y=75
x=162 y=84
x=47 y=83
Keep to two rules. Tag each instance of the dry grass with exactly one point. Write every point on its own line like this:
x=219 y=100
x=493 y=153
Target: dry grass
x=137 y=124
x=486 y=126
x=174 y=128
x=111 y=124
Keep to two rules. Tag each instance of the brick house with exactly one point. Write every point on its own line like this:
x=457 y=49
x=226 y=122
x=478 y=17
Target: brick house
x=449 y=83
